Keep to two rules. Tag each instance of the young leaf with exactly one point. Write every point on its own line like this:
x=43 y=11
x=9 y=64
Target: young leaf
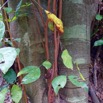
x=55 y=20
x=31 y=77
x=33 y=73
x=2 y=30
x=27 y=4
x=16 y=93
x=13 y=19
x=10 y=76
x=82 y=77
x=9 y=55
x=3 y=94
x=67 y=59
x=47 y=64
x=58 y=83
x=99 y=17
x=74 y=80
x=98 y=42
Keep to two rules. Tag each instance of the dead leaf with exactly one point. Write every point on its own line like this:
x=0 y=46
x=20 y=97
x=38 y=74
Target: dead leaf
x=52 y=17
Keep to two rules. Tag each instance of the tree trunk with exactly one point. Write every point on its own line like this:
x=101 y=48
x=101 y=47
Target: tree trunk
x=31 y=48
x=77 y=18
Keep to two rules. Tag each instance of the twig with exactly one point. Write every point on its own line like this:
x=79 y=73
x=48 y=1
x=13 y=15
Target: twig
x=4 y=4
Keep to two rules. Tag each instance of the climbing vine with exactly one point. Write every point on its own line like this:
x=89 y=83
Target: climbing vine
x=10 y=55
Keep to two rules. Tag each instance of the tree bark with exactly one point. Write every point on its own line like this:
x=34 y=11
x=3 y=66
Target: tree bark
x=31 y=48
x=77 y=18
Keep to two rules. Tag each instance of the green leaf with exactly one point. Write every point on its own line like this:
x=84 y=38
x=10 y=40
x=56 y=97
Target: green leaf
x=16 y=93
x=47 y=64
x=58 y=83
x=33 y=73
x=3 y=94
x=1 y=17
x=98 y=43
x=51 y=26
x=9 y=56
x=67 y=59
x=10 y=76
x=1 y=58
x=8 y=9
x=26 y=70
x=17 y=50
x=27 y=4
x=13 y=19
x=99 y=17
x=74 y=80
x=2 y=30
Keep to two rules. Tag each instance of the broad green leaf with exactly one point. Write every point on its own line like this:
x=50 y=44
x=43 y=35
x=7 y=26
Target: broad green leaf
x=33 y=73
x=8 y=9
x=99 y=17
x=16 y=93
x=3 y=94
x=2 y=30
x=9 y=55
x=58 y=83
x=98 y=42
x=74 y=80
x=67 y=59
x=10 y=76
x=1 y=58
x=47 y=64
x=26 y=70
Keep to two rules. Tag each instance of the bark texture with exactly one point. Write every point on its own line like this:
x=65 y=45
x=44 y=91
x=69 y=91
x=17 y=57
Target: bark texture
x=32 y=51
x=77 y=18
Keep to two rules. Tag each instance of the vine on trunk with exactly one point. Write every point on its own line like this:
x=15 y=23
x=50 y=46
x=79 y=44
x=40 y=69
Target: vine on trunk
x=32 y=73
